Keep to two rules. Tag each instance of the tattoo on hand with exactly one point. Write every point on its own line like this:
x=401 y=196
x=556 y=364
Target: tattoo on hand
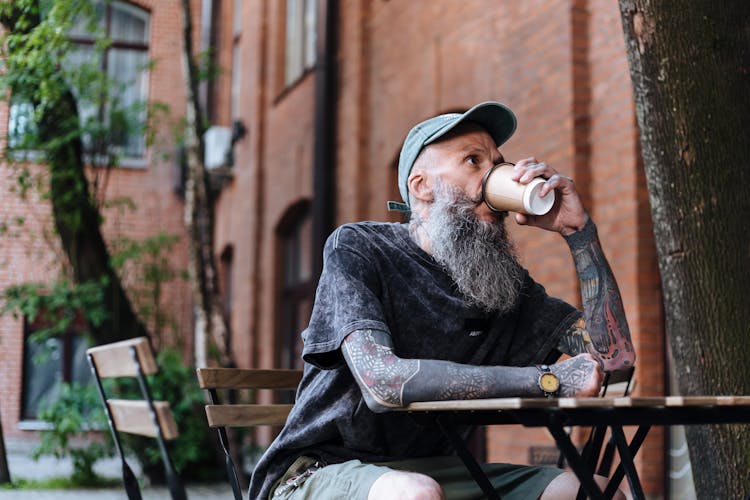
x=574 y=374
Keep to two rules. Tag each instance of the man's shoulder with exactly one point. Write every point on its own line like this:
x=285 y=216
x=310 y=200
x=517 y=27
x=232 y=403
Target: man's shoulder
x=357 y=235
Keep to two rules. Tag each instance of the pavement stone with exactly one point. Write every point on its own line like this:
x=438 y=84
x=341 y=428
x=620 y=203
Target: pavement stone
x=23 y=466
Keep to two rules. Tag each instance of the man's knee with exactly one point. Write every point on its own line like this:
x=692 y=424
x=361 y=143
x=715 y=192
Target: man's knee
x=405 y=486
x=566 y=485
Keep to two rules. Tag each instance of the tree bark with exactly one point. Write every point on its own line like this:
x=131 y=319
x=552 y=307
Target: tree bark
x=210 y=329
x=690 y=67
x=76 y=218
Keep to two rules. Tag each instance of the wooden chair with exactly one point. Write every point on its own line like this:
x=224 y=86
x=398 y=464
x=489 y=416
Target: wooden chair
x=222 y=416
x=146 y=417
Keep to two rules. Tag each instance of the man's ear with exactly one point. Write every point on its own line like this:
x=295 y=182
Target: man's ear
x=420 y=186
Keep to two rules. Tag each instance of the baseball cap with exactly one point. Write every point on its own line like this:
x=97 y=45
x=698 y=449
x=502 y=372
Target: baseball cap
x=496 y=118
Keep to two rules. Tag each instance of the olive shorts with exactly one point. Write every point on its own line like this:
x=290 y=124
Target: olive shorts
x=352 y=480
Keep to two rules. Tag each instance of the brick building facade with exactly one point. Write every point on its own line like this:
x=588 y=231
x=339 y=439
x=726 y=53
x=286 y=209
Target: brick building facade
x=560 y=65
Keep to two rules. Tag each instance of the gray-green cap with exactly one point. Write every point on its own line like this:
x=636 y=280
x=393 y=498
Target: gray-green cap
x=497 y=119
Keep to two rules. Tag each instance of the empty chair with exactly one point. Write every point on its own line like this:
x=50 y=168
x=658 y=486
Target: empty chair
x=145 y=417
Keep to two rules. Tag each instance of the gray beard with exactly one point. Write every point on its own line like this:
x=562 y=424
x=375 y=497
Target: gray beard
x=478 y=255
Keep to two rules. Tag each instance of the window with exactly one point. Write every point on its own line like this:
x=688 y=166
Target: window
x=47 y=365
x=299 y=46
x=20 y=124
x=113 y=123
x=225 y=282
x=125 y=62
x=297 y=290
x=236 y=33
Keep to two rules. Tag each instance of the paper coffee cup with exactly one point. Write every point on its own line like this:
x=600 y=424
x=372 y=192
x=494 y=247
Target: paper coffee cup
x=501 y=193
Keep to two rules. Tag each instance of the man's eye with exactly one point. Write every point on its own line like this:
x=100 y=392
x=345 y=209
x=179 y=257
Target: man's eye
x=473 y=159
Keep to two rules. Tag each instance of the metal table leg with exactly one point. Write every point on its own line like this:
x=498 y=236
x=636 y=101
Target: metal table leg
x=581 y=469
x=468 y=459
x=627 y=454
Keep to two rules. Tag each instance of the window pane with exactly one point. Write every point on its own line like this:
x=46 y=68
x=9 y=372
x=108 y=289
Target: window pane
x=129 y=24
x=236 y=75
x=297 y=290
x=126 y=112
x=236 y=14
x=42 y=375
x=80 y=371
x=310 y=32
x=88 y=101
x=291 y=261
x=20 y=124
x=81 y=27
x=294 y=41
x=305 y=250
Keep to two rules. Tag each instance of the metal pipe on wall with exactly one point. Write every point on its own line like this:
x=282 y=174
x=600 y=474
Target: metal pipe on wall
x=324 y=154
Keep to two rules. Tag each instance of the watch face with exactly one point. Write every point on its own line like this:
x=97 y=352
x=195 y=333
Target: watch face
x=548 y=382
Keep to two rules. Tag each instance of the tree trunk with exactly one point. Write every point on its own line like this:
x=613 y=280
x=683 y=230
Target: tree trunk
x=690 y=66
x=210 y=330
x=76 y=218
x=4 y=472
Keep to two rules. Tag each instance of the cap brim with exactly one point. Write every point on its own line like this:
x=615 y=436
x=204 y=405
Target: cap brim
x=497 y=119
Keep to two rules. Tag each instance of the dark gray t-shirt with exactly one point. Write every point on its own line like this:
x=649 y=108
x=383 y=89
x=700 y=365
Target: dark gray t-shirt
x=376 y=277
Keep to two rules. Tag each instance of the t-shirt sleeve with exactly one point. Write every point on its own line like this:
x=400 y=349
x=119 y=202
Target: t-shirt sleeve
x=547 y=318
x=347 y=299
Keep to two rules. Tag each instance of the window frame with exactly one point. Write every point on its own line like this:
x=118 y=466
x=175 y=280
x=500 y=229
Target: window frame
x=63 y=373
x=302 y=31
x=141 y=47
x=126 y=160
x=295 y=289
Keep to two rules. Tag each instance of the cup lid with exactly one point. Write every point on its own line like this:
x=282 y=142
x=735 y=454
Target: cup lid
x=533 y=202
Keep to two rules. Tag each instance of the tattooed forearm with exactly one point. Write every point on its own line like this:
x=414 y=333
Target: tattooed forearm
x=576 y=340
x=379 y=373
x=605 y=332
x=388 y=381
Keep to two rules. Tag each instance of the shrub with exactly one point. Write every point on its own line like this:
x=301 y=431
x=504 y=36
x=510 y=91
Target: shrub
x=74 y=415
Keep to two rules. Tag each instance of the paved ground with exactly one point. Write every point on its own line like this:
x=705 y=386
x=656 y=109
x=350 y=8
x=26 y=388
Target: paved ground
x=21 y=465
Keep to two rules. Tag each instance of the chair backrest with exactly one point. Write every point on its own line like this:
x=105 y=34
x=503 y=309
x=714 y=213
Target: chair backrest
x=246 y=415
x=222 y=416
x=618 y=384
x=134 y=358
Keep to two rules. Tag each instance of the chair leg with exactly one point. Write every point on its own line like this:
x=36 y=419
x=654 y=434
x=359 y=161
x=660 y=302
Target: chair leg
x=130 y=482
x=229 y=464
x=176 y=488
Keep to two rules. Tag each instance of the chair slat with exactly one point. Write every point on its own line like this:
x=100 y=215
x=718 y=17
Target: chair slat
x=134 y=417
x=115 y=360
x=237 y=378
x=247 y=415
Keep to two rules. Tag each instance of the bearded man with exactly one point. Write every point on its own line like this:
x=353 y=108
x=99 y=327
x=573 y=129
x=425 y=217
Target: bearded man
x=440 y=309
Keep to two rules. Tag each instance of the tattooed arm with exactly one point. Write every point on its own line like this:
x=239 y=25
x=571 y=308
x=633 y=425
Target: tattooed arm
x=388 y=381
x=603 y=331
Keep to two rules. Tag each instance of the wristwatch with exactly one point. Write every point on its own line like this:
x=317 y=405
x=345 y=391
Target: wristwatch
x=548 y=381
